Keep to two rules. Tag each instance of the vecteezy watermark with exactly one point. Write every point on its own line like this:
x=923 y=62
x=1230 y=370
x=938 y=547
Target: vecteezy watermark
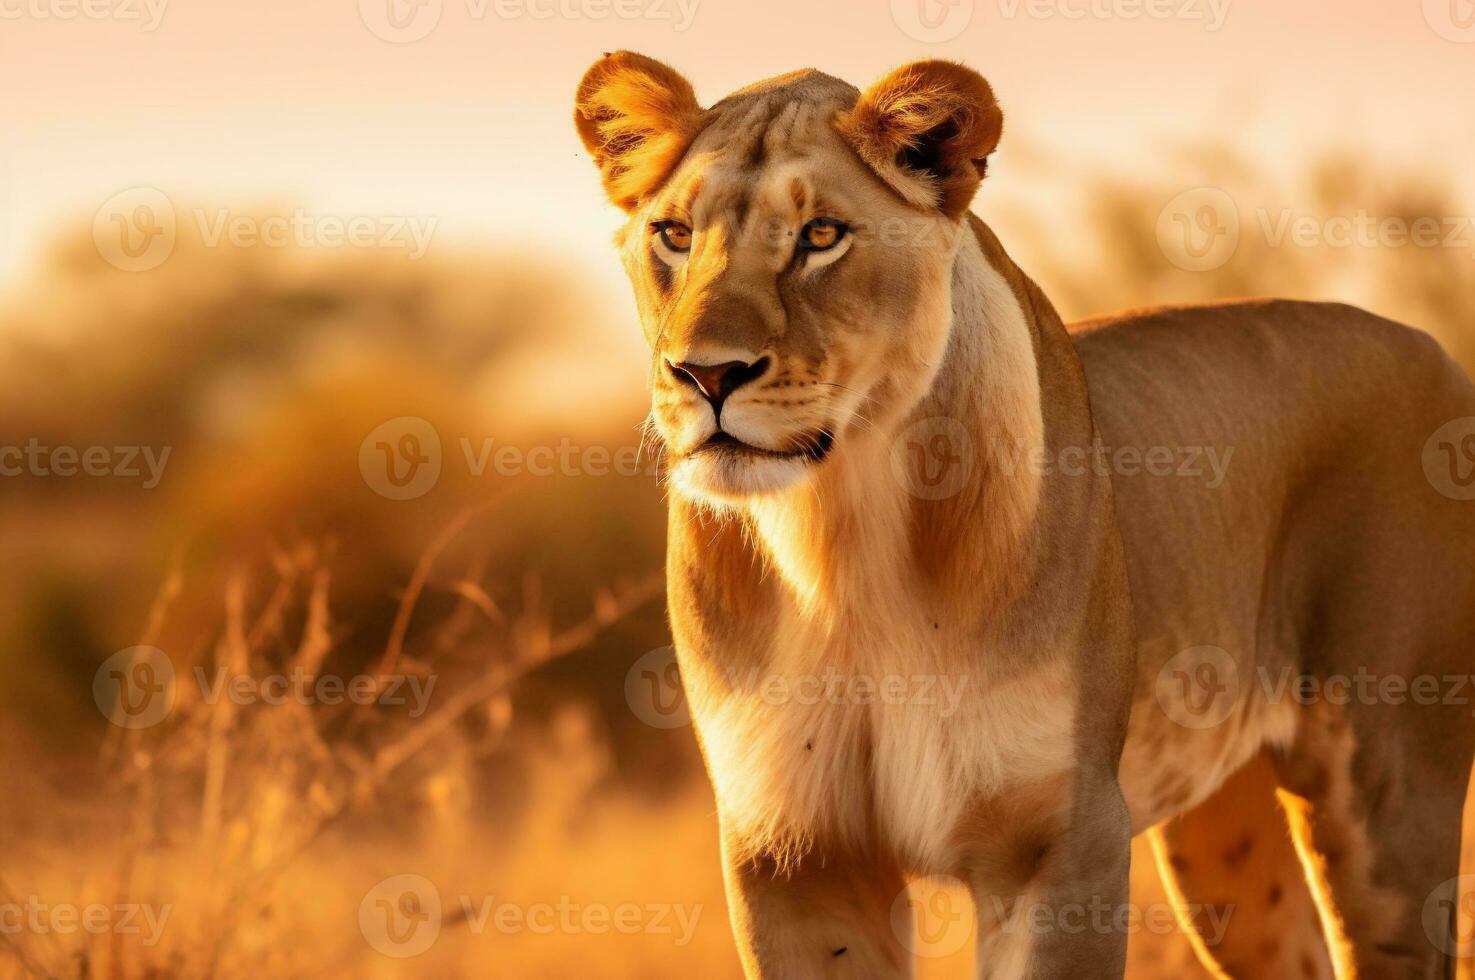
x=1098 y=916
x=301 y=687
x=931 y=917
x=134 y=688
x=1449 y=459
x=932 y=21
x=835 y=687
x=1284 y=226
x=1453 y=20
x=893 y=232
x=402 y=917
x=137 y=688
x=1211 y=13
x=565 y=458
x=148 y=14
x=407 y=21
x=300 y=228
x=402 y=459
x=1449 y=917
x=37 y=918
x=1199 y=687
x=654 y=691
x=136 y=230
x=1364 y=687
x=126 y=462
x=1206 y=464
x=934 y=458
x=1198 y=230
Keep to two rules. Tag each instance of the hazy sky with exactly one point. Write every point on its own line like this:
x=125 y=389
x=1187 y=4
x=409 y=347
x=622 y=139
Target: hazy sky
x=341 y=105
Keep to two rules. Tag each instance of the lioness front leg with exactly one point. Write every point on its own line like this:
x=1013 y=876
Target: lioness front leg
x=825 y=917
x=1069 y=920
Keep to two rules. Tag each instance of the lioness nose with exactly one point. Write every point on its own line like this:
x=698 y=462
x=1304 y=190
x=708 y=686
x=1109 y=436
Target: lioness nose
x=717 y=381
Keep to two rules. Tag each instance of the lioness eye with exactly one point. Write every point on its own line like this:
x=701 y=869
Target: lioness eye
x=822 y=234
x=674 y=235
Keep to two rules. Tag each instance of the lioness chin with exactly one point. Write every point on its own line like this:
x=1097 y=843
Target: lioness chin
x=951 y=598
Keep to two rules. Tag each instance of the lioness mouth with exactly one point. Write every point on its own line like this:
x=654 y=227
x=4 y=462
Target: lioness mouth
x=814 y=447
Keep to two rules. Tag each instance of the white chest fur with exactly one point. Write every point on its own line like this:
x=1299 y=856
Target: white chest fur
x=872 y=732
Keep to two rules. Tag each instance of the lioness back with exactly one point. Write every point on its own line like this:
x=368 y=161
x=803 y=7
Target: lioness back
x=1299 y=434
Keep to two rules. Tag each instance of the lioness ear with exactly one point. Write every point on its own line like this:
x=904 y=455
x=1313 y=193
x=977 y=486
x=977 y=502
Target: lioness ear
x=927 y=130
x=636 y=117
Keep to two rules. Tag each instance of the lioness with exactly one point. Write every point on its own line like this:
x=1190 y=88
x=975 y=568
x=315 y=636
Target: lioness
x=894 y=471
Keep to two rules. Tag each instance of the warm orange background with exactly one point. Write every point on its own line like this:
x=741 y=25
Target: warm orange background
x=471 y=123
x=264 y=370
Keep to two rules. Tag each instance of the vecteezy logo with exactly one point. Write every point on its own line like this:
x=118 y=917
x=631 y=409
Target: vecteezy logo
x=401 y=916
x=135 y=230
x=932 y=458
x=134 y=688
x=930 y=917
x=400 y=21
x=1449 y=459
x=1199 y=687
x=1453 y=20
x=1199 y=229
x=401 y=459
x=654 y=692
x=1449 y=917
x=932 y=21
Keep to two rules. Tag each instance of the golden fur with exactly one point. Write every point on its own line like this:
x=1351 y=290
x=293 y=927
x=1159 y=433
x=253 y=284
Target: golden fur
x=893 y=678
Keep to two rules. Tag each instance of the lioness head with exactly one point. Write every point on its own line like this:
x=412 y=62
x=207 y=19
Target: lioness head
x=791 y=251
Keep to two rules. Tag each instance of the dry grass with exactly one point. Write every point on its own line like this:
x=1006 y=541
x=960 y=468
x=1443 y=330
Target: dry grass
x=212 y=819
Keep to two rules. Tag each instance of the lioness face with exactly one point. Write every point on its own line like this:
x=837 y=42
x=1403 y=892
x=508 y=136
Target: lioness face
x=778 y=281
x=791 y=253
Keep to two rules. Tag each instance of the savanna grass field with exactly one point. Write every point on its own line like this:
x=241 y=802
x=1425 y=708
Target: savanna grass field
x=331 y=594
